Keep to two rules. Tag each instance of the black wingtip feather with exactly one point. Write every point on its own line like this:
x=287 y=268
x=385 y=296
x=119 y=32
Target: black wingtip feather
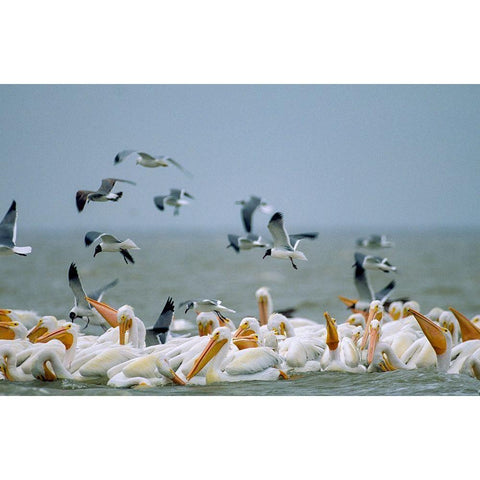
x=276 y=216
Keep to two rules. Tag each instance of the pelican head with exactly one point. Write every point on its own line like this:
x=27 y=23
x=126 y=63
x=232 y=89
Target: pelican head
x=374 y=335
x=221 y=336
x=279 y=324
x=125 y=319
x=207 y=322
x=12 y=330
x=447 y=320
x=44 y=325
x=410 y=305
x=374 y=312
x=98 y=249
x=166 y=370
x=67 y=334
x=357 y=319
x=248 y=326
x=395 y=310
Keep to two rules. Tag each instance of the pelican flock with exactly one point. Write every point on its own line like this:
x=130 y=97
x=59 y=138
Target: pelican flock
x=377 y=333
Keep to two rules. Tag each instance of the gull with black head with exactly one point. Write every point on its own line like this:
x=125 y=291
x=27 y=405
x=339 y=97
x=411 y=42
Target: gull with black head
x=103 y=194
x=282 y=242
x=109 y=243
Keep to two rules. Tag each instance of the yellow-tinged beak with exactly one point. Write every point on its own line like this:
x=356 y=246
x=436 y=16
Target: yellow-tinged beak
x=332 y=333
x=6 y=332
x=4 y=369
x=176 y=379
x=385 y=364
x=123 y=327
x=372 y=344
x=434 y=333
x=249 y=341
x=48 y=375
x=241 y=331
x=4 y=315
x=468 y=329
x=349 y=302
x=371 y=314
x=263 y=310
x=63 y=334
x=106 y=311
x=37 y=332
x=212 y=348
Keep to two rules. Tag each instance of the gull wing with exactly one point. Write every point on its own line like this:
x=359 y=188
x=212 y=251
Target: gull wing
x=123 y=155
x=76 y=286
x=108 y=183
x=247 y=211
x=81 y=199
x=361 y=281
x=385 y=292
x=91 y=237
x=8 y=226
x=98 y=294
x=278 y=232
x=159 y=201
x=175 y=193
x=296 y=237
x=233 y=239
x=174 y=162
x=162 y=325
x=188 y=195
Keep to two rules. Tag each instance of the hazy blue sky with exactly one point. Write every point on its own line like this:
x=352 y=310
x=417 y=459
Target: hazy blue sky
x=362 y=156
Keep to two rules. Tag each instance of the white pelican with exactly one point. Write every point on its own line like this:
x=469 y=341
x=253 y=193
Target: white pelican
x=28 y=318
x=12 y=330
x=148 y=370
x=67 y=334
x=439 y=339
x=340 y=356
x=246 y=365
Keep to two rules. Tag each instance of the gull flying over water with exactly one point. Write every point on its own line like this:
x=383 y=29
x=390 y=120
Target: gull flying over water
x=282 y=242
x=103 y=194
x=109 y=243
x=82 y=308
x=158 y=333
x=248 y=208
x=176 y=199
x=241 y=242
x=8 y=234
x=147 y=160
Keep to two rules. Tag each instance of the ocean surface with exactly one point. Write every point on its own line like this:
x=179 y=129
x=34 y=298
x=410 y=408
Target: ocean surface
x=435 y=267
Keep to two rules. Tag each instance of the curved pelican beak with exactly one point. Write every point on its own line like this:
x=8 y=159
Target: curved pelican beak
x=246 y=341
x=434 y=333
x=4 y=315
x=212 y=348
x=63 y=334
x=371 y=314
x=123 y=327
x=6 y=332
x=468 y=329
x=106 y=311
x=243 y=331
x=332 y=333
x=37 y=331
x=349 y=302
x=372 y=344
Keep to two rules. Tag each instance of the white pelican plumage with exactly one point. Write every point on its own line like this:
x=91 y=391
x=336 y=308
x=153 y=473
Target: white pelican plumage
x=340 y=356
x=246 y=365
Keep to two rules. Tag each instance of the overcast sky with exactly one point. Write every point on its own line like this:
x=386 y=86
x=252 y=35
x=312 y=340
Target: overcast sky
x=326 y=155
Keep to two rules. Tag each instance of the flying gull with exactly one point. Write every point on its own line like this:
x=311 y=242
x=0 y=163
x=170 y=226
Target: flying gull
x=175 y=199
x=206 y=305
x=282 y=242
x=240 y=242
x=109 y=243
x=158 y=333
x=147 y=160
x=8 y=234
x=103 y=194
x=248 y=208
